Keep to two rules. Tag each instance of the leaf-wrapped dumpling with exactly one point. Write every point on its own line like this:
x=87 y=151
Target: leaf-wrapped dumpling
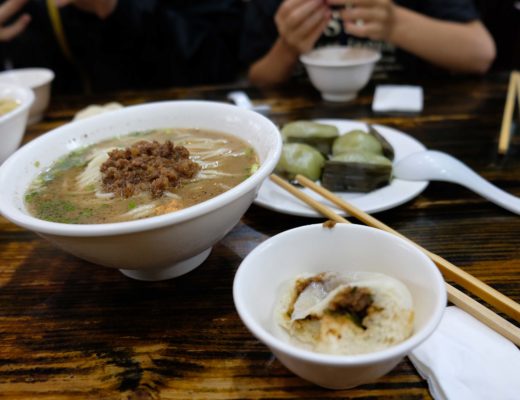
x=362 y=157
x=357 y=140
x=388 y=150
x=320 y=136
x=299 y=158
x=356 y=171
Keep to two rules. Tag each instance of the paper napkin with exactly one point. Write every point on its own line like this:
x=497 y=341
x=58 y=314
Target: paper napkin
x=402 y=98
x=466 y=360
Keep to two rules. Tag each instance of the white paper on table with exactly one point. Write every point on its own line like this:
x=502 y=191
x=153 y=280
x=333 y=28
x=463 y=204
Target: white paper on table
x=466 y=360
x=404 y=98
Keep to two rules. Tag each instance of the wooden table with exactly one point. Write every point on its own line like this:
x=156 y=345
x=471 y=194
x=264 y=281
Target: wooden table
x=70 y=329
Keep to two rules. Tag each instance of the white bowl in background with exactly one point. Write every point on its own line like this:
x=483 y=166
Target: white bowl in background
x=13 y=123
x=340 y=72
x=345 y=247
x=37 y=79
x=154 y=248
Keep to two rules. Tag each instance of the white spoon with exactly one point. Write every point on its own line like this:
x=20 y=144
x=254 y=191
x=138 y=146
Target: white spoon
x=439 y=166
x=241 y=99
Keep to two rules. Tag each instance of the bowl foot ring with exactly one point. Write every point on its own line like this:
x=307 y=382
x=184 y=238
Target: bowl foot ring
x=173 y=271
x=342 y=98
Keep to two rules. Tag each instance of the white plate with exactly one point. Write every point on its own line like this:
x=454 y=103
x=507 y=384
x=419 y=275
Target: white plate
x=273 y=197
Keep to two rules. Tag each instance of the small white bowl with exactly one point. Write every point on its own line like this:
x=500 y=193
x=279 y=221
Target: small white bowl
x=340 y=72
x=13 y=123
x=37 y=79
x=154 y=248
x=345 y=247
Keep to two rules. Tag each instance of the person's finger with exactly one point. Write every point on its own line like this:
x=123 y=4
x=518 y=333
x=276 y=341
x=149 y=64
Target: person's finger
x=289 y=25
x=365 y=14
x=284 y=11
x=372 y=31
x=300 y=14
x=336 y=2
x=10 y=32
x=366 y=3
x=314 y=34
x=311 y=23
x=9 y=8
x=288 y=6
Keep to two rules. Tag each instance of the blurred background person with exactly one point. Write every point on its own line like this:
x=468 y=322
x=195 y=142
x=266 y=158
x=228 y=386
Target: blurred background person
x=444 y=33
x=118 y=44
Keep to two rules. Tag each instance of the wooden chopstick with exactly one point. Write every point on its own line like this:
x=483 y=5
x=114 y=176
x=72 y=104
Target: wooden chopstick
x=517 y=74
x=466 y=303
x=513 y=91
x=450 y=271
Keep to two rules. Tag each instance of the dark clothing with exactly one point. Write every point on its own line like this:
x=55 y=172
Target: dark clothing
x=260 y=31
x=502 y=19
x=142 y=44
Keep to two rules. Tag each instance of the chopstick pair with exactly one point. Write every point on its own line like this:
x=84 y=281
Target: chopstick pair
x=469 y=282
x=513 y=91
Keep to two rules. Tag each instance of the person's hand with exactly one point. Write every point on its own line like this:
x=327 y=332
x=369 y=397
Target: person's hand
x=101 y=8
x=301 y=22
x=7 y=10
x=373 y=19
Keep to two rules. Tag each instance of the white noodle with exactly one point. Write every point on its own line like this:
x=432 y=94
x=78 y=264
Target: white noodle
x=91 y=175
x=141 y=211
x=104 y=196
x=172 y=195
x=213 y=153
x=212 y=172
x=206 y=165
x=223 y=186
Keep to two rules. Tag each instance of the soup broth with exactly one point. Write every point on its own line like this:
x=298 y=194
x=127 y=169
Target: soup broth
x=71 y=190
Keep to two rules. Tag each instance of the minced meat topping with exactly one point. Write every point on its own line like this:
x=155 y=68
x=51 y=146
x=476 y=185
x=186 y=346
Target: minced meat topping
x=147 y=167
x=352 y=300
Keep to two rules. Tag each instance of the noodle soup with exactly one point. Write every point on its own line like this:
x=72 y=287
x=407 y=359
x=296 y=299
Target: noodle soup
x=74 y=189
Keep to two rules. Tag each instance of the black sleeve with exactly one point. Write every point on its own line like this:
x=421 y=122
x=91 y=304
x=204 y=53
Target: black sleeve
x=449 y=10
x=132 y=15
x=259 y=30
x=158 y=43
x=202 y=39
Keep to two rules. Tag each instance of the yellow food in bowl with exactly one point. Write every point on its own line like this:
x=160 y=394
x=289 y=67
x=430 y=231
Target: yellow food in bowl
x=8 y=105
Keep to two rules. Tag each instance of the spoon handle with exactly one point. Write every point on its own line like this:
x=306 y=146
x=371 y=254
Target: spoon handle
x=494 y=194
x=465 y=176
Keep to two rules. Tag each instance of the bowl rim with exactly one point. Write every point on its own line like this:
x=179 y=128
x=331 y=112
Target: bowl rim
x=17 y=216
x=47 y=76
x=292 y=350
x=308 y=60
x=26 y=101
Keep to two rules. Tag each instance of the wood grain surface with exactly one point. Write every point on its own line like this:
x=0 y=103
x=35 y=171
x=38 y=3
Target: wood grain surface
x=70 y=329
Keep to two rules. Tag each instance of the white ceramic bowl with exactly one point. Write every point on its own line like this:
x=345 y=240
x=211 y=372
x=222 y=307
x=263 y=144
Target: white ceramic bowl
x=340 y=72
x=314 y=249
x=37 y=79
x=13 y=123
x=154 y=248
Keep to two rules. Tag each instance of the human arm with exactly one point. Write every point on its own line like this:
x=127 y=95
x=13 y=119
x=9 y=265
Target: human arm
x=460 y=47
x=456 y=46
x=7 y=10
x=299 y=24
x=102 y=8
